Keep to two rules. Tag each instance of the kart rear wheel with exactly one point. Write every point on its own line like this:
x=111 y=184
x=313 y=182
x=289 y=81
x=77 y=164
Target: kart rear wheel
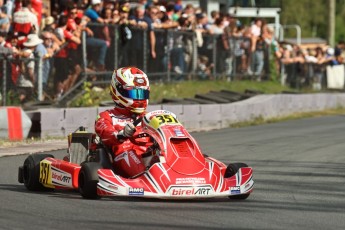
x=231 y=170
x=31 y=172
x=88 y=179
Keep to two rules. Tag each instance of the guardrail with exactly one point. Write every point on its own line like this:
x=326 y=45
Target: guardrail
x=52 y=122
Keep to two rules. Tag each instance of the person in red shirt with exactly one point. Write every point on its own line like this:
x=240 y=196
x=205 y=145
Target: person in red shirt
x=24 y=20
x=37 y=6
x=130 y=91
x=61 y=58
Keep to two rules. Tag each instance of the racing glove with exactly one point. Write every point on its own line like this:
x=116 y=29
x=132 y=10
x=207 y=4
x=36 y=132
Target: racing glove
x=128 y=131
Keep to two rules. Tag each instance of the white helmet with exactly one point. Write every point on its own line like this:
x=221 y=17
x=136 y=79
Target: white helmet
x=130 y=89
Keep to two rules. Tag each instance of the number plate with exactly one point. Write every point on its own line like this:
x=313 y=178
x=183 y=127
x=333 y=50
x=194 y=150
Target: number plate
x=45 y=173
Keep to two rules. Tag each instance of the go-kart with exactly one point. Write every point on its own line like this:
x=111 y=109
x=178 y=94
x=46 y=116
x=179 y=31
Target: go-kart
x=175 y=166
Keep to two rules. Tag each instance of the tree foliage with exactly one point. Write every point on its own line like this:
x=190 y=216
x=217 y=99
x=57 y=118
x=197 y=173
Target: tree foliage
x=312 y=17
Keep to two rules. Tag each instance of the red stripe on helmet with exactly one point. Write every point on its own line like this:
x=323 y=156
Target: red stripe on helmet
x=120 y=80
x=122 y=98
x=136 y=71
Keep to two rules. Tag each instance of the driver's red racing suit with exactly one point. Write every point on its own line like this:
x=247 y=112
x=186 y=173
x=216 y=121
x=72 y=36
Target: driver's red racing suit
x=127 y=156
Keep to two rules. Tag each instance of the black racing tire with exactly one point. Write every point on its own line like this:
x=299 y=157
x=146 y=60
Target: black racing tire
x=231 y=170
x=31 y=172
x=88 y=179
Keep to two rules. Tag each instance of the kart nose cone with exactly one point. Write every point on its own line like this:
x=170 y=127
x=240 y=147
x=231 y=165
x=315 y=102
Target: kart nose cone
x=185 y=159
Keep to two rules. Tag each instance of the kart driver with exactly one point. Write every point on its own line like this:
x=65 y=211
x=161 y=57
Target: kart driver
x=129 y=90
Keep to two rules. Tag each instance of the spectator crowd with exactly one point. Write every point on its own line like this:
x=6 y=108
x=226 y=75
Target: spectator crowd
x=30 y=30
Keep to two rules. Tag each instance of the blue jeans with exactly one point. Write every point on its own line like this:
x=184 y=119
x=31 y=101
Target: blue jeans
x=177 y=58
x=100 y=46
x=258 y=62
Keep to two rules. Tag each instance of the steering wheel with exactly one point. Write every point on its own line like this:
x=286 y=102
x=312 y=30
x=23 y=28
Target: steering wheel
x=135 y=139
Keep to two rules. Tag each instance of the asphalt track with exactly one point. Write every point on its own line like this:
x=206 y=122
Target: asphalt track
x=299 y=173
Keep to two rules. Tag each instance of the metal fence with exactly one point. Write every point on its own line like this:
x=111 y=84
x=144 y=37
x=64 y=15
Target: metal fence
x=18 y=82
x=180 y=55
x=304 y=75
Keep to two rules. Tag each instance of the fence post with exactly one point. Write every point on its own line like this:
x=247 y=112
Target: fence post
x=169 y=48
x=195 y=56
x=40 y=80
x=214 y=55
x=282 y=74
x=116 y=46
x=145 y=53
x=4 y=78
x=232 y=44
x=84 y=52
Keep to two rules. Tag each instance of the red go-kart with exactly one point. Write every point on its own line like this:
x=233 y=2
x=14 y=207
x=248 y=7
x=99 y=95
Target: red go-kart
x=175 y=166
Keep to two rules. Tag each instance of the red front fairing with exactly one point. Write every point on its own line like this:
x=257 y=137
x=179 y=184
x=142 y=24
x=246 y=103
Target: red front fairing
x=162 y=182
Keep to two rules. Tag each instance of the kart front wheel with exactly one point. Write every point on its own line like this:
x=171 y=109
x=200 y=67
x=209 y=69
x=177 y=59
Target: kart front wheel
x=31 y=172
x=88 y=179
x=231 y=170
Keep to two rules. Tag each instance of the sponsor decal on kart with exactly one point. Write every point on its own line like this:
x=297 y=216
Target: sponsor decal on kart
x=191 y=180
x=136 y=191
x=61 y=178
x=235 y=190
x=113 y=187
x=204 y=190
x=178 y=133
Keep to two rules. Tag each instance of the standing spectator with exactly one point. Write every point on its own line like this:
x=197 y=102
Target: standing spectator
x=97 y=44
x=203 y=28
x=61 y=58
x=185 y=26
x=319 y=68
x=6 y=50
x=27 y=78
x=259 y=55
x=30 y=45
x=157 y=64
x=52 y=47
x=93 y=14
x=177 y=12
x=141 y=23
x=9 y=7
x=227 y=38
x=274 y=54
x=4 y=19
x=24 y=20
x=115 y=16
x=339 y=52
x=218 y=28
x=107 y=14
x=214 y=15
x=125 y=35
x=74 y=48
x=37 y=7
x=41 y=52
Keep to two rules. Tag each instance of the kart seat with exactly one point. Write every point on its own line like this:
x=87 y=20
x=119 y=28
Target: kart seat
x=79 y=145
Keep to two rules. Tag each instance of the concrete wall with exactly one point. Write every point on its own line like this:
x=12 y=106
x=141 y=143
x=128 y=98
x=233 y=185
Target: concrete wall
x=60 y=122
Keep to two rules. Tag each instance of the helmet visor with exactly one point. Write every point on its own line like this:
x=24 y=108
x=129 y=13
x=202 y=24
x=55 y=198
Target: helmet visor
x=134 y=93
